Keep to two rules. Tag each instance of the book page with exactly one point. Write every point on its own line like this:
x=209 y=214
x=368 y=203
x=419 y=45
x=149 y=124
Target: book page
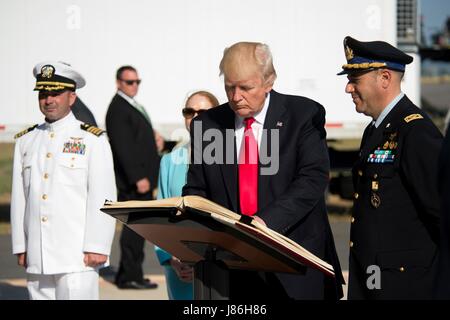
x=223 y=214
x=176 y=202
x=206 y=205
x=291 y=245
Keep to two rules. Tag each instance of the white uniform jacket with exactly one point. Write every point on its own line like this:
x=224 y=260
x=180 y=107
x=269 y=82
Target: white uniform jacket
x=61 y=177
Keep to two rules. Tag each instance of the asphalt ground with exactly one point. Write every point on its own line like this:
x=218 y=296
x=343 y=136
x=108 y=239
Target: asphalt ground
x=13 y=283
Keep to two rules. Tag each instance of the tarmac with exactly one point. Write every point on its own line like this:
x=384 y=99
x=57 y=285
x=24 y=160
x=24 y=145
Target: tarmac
x=13 y=282
x=15 y=289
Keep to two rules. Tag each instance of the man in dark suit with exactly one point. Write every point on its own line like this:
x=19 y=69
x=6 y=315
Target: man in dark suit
x=280 y=178
x=136 y=165
x=394 y=238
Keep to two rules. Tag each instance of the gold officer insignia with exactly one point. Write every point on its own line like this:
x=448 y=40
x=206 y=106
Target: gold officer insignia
x=47 y=71
x=92 y=129
x=392 y=145
x=23 y=132
x=412 y=117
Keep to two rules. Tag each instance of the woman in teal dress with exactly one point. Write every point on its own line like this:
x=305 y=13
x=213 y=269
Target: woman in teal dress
x=172 y=178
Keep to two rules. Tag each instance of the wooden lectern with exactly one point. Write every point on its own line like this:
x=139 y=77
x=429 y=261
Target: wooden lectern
x=213 y=243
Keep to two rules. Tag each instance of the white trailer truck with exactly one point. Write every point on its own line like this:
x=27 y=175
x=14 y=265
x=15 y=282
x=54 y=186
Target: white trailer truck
x=176 y=45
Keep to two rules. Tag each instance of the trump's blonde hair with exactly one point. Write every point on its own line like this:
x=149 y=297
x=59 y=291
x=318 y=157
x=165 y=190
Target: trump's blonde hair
x=246 y=59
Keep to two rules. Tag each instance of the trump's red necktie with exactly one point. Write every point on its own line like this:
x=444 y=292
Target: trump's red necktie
x=248 y=171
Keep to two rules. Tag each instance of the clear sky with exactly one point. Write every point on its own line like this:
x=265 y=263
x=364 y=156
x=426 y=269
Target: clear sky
x=434 y=13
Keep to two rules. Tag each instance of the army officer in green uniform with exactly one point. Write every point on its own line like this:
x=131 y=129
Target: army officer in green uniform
x=395 y=223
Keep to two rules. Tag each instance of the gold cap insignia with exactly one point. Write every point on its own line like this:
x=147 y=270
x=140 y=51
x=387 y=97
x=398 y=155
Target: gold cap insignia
x=348 y=53
x=47 y=71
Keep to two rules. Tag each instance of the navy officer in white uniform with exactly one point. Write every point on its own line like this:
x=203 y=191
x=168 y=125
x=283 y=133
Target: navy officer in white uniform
x=63 y=172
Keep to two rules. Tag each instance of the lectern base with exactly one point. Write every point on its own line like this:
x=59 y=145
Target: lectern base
x=211 y=280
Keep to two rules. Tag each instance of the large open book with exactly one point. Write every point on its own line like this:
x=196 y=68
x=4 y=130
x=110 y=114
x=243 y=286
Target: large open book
x=186 y=226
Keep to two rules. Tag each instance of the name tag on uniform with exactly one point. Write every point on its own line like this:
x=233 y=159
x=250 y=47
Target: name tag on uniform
x=74 y=145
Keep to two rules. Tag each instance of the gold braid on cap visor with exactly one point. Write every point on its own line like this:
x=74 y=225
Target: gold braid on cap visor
x=52 y=85
x=365 y=65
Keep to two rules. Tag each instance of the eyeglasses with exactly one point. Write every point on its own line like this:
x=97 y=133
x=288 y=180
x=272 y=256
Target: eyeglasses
x=130 y=82
x=189 y=113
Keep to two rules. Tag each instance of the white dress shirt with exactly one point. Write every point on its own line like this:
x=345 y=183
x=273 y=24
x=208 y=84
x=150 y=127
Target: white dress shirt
x=257 y=126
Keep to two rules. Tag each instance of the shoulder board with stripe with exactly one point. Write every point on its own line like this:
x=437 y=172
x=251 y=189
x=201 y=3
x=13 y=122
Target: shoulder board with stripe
x=412 y=117
x=92 y=129
x=23 y=132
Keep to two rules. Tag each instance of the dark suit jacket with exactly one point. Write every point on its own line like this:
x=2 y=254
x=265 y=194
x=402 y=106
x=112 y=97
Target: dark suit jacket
x=401 y=234
x=133 y=146
x=291 y=201
x=443 y=278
